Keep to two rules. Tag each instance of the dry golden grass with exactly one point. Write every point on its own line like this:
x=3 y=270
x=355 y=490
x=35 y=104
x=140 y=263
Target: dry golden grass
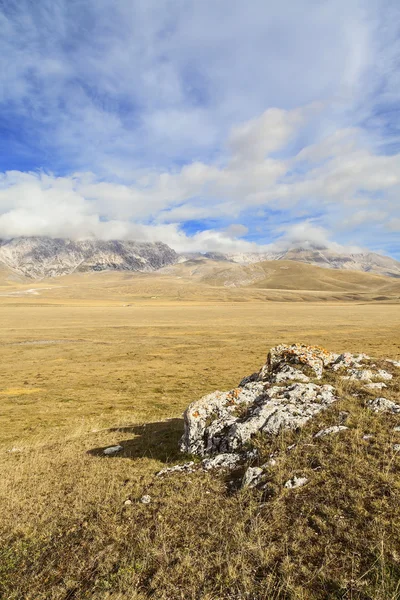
x=80 y=371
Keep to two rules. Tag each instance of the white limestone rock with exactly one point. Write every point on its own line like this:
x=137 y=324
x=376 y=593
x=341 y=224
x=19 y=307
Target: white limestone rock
x=330 y=430
x=300 y=355
x=383 y=405
x=272 y=462
x=359 y=375
x=367 y=375
x=252 y=477
x=289 y=373
x=212 y=427
x=382 y=374
x=112 y=450
x=296 y=482
x=395 y=363
x=185 y=468
x=207 y=418
x=220 y=425
x=348 y=360
x=376 y=386
x=222 y=461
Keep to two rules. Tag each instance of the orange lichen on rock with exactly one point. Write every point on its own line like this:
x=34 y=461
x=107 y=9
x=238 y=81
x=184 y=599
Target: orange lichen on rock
x=315 y=357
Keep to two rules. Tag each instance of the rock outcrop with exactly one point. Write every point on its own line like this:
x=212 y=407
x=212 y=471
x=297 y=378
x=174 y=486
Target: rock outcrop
x=226 y=421
x=284 y=394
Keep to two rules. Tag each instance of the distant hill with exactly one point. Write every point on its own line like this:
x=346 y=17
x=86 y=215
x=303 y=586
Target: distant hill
x=39 y=257
x=369 y=262
x=281 y=275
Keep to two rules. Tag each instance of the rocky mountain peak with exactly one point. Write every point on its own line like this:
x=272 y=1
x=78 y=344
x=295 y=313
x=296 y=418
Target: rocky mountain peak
x=40 y=257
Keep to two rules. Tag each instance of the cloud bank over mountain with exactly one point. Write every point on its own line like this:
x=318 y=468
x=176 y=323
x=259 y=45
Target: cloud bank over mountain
x=209 y=126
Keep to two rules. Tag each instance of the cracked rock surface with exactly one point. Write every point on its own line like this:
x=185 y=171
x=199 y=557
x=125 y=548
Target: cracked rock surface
x=222 y=422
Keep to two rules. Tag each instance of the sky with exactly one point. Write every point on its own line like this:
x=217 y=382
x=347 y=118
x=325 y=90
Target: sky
x=212 y=125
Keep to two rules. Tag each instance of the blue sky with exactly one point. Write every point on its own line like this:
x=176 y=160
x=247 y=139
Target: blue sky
x=214 y=125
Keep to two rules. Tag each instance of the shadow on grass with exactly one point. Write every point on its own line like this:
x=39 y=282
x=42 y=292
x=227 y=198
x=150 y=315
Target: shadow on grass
x=159 y=441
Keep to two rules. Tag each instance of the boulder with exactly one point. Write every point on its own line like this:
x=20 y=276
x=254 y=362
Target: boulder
x=223 y=422
x=383 y=405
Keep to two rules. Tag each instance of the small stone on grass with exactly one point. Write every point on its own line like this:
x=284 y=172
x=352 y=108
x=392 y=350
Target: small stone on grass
x=112 y=450
x=329 y=430
x=296 y=482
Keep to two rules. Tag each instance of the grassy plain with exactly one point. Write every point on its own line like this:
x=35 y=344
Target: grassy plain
x=99 y=360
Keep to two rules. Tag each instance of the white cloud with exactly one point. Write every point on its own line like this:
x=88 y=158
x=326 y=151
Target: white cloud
x=308 y=235
x=160 y=113
x=111 y=84
x=254 y=140
x=340 y=184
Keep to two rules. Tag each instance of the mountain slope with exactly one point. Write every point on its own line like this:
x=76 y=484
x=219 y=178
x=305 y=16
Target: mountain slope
x=369 y=262
x=289 y=274
x=282 y=275
x=39 y=257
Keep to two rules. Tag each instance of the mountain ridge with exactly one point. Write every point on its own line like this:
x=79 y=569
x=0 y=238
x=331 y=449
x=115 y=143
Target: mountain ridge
x=38 y=257
x=369 y=262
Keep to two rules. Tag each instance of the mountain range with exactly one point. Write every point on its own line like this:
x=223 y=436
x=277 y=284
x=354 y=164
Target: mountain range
x=40 y=257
